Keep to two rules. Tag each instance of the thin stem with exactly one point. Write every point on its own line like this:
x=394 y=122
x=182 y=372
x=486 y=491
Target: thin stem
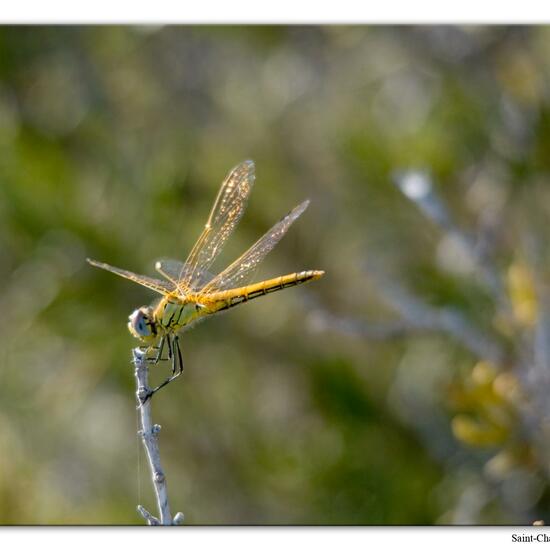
x=418 y=187
x=149 y=436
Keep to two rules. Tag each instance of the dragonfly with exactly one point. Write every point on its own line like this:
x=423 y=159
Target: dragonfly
x=189 y=292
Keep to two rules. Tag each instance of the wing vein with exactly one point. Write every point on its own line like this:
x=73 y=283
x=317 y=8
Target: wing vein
x=226 y=212
x=235 y=273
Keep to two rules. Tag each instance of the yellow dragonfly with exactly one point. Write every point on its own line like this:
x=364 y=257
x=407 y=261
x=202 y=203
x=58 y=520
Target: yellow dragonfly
x=189 y=292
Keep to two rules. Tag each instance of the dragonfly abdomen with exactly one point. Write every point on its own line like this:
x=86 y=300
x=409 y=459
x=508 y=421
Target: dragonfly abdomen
x=220 y=301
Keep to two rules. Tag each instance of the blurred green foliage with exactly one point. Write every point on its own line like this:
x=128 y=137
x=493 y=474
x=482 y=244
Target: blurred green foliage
x=113 y=143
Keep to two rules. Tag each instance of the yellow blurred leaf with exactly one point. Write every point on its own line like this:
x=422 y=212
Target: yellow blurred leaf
x=518 y=75
x=501 y=464
x=521 y=290
x=506 y=386
x=476 y=433
x=483 y=373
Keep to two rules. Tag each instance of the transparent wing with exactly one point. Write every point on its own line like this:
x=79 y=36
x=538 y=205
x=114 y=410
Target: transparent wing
x=234 y=275
x=162 y=287
x=173 y=269
x=226 y=213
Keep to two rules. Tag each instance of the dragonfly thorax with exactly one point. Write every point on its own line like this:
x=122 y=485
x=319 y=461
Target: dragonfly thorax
x=142 y=324
x=172 y=315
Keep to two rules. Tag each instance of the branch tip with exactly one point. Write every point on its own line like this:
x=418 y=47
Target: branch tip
x=147 y=516
x=179 y=518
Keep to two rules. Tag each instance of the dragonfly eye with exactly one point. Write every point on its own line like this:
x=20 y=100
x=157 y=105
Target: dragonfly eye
x=141 y=324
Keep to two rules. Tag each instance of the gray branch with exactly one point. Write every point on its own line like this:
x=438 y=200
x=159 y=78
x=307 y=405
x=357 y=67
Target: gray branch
x=417 y=317
x=149 y=436
x=418 y=187
x=447 y=320
x=322 y=320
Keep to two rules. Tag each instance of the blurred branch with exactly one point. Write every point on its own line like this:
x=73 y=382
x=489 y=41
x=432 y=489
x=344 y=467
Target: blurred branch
x=541 y=352
x=149 y=435
x=448 y=320
x=321 y=320
x=418 y=187
x=416 y=317
x=537 y=362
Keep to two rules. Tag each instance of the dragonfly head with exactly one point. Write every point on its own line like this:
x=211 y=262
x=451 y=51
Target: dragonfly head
x=142 y=325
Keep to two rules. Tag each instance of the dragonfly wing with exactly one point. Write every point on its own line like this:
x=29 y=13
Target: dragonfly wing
x=173 y=270
x=226 y=213
x=236 y=273
x=162 y=287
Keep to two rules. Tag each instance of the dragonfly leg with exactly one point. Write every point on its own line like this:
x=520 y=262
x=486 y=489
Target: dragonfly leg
x=174 y=353
x=158 y=352
x=180 y=358
x=169 y=346
x=160 y=349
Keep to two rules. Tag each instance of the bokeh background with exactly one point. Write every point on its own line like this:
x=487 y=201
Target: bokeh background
x=408 y=386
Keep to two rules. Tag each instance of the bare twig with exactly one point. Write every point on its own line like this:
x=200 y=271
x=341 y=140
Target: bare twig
x=418 y=187
x=541 y=338
x=321 y=320
x=447 y=320
x=535 y=352
x=149 y=435
x=417 y=318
